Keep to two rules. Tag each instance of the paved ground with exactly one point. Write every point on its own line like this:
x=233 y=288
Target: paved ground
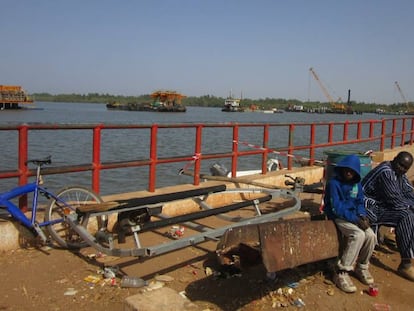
x=60 y=280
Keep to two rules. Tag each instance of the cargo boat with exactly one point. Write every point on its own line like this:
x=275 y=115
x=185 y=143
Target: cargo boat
x=163 y=101
x=232 y=105
x=13 y=95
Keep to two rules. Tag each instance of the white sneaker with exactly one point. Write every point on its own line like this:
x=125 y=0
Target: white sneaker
x=364 y=276
x=344 y=283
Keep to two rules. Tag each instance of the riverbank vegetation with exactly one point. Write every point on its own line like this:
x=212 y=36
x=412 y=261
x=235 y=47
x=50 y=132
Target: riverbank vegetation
x=214 y=101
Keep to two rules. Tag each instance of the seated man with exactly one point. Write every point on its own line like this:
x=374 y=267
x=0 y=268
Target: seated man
x=389 y=200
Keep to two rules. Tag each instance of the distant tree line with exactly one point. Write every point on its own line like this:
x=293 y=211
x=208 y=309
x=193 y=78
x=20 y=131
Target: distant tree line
x=214 y=101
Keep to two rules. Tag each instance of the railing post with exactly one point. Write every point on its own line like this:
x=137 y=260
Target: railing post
x=312 y=145
x=96 y=159
x=383 y=126
x=153 y=158
x=290 y=146
x=197 y=154
x=23 y=169
x=359 y=130
x=265 y=148
x=403 y=131
x=412 y=131
x=235 y=150
x=371 y=128
x=330 y=132
x=394 y=126
x=345 y=134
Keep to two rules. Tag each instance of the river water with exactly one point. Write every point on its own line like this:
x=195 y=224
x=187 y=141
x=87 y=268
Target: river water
x=71 y=147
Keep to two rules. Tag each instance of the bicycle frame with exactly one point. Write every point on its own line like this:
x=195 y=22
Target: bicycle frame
x=17 y=213
x=35 y=188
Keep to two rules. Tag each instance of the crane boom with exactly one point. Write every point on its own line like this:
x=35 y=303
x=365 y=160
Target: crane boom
x=401 y=93
x=336 y=108
x=324 y=90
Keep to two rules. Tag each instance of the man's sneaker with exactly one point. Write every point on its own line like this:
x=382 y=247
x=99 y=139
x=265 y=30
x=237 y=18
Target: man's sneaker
x=343 y=282
x=364 y=276
x=406 y=272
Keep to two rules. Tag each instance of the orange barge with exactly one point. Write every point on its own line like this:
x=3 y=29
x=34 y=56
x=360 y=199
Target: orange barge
x=13 y=95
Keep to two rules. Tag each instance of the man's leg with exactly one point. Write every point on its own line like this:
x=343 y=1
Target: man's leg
x=403 y=221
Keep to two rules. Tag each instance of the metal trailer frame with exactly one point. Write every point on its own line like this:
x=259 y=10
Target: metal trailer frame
x=104 y=241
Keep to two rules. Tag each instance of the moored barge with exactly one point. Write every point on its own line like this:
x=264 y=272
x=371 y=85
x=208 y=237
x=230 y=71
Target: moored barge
x=13 y=95
x=163 y=101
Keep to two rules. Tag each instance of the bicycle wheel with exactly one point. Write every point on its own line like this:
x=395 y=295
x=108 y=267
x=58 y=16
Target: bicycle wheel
x=67 y=200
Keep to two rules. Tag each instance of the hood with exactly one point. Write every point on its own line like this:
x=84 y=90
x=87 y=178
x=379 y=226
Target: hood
x=351 y=161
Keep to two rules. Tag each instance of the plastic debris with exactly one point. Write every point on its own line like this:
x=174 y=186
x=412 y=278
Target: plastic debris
x=164 y=278
x=92 y=279
x=330 y=291
x=155 y=285
x=70 y=292
x=176 y=232
x=373 y=290
x=293 y=285
x=110 y=272
x=133 y=281
x=208 y=271
x=381 y=307
x=299 y=302
x=183 y=294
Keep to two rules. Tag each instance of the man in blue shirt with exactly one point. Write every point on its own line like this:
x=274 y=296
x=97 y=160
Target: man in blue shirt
x=389 y=200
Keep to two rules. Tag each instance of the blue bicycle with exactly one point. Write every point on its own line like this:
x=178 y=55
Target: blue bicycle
x=65 y=202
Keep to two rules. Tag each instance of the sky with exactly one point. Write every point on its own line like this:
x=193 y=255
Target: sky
x=254 y=49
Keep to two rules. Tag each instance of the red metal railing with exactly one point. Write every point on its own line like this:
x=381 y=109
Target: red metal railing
x=381 y=134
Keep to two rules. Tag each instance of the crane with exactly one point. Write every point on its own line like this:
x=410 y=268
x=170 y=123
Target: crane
x=404 y=99
x=338 y=108
x=401 y=93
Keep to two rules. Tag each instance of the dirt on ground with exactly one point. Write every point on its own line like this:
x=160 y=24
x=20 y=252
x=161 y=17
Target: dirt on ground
x=57 y=279
x=32 y=279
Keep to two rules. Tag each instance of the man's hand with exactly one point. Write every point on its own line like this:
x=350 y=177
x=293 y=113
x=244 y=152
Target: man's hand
x=363 y=223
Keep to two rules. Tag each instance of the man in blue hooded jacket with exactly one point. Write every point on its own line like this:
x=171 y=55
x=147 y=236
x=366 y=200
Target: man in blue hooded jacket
x=344 y=204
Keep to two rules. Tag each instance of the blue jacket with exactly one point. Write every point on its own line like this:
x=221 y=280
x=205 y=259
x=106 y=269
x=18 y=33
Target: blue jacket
x=345 y=199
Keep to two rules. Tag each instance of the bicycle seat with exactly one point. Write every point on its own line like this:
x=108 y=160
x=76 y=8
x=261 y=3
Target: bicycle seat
x=40 y=162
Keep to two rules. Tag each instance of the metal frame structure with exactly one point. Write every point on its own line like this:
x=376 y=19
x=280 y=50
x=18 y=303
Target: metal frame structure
x=104 y=242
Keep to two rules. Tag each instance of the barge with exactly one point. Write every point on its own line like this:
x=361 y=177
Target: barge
x=13 y=95
x=163 y=101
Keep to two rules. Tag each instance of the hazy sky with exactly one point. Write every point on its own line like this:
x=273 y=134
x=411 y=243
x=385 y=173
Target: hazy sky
x=260 y=48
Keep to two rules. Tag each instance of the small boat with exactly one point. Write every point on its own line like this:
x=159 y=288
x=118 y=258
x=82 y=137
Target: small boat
x=114 y=105
x=218 y=169
x=273 y=110
x=232 y=104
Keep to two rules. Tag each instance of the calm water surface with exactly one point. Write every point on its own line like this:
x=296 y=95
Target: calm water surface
x=72 y=147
